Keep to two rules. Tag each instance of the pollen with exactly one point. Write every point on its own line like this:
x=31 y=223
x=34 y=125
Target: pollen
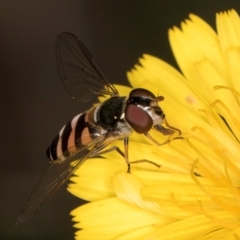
x=191 y=100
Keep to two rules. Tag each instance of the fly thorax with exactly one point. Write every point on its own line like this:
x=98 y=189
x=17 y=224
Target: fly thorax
x=109 y=115
x=123 y=128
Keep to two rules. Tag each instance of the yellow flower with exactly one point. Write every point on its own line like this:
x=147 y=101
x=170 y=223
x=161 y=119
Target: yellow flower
x=195 y=194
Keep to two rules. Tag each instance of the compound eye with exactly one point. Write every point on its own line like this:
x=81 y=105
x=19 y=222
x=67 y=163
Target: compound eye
x=138 y=119
x=141 y=92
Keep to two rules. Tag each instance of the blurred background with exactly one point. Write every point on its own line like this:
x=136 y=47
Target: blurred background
x=33 y=102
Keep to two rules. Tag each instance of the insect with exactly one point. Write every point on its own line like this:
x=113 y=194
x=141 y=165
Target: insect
x=89 y=133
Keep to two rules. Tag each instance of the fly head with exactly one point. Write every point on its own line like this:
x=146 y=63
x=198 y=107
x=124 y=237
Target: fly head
x=142 y=111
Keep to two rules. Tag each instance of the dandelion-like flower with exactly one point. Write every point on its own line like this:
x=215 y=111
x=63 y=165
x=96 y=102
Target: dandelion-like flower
x=195 y=194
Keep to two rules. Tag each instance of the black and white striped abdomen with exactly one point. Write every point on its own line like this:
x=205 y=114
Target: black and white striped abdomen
x=76 y=132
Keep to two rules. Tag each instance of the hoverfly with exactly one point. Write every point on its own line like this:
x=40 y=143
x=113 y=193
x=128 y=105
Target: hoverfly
x=88 y=133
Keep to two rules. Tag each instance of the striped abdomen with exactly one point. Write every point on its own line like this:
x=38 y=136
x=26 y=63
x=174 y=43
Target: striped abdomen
x=76 y=132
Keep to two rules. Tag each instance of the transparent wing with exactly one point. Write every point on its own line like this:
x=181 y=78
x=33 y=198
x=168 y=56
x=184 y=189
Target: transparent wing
x=79 y=72
x=57 y=175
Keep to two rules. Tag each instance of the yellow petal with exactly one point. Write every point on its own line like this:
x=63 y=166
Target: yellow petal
x=167 y=81
x=128 y=189
x=91 y=180
x=196 y=41
x=228 y=27
x=110 y=218
x=186 y=229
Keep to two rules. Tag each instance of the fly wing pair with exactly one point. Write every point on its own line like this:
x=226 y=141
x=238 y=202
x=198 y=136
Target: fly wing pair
x=83 y=79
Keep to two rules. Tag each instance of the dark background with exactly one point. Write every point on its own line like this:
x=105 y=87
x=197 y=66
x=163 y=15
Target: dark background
x=34 y=104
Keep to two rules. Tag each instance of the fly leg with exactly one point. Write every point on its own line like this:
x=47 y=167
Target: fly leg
x=126 y=142
x=155 y=141
x=165 y=131
x=123 y=154
x=163 y=143
x=172 y=128
x=114 y=148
